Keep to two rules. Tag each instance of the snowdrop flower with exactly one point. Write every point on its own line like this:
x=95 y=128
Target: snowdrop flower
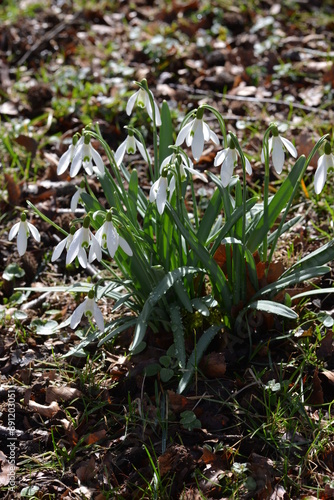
x=84 y=155
x=276 y=145
x=184 y=164
x=67 y=157
x=82 y=240
x=325 y=162
x=65 y=243
x=23 y=229
x=141 y=98
x=90 y=309
x=76 y=198
x=195 y=133
x=158 y=192
x=228 y=158
x=109 y=239
x=130 y=146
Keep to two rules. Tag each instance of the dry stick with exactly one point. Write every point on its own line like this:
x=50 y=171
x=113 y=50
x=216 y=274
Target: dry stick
x=49 y=35
x=256 y=100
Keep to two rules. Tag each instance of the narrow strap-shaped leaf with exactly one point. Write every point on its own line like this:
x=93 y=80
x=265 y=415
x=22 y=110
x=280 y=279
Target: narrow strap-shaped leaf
x=166 y=132
x=218 y=279
x=274 y=308
x=178 y=335
x=166 y=283
x=292 y=279
x=275 y=207
x=197 y=354
x=133 y=194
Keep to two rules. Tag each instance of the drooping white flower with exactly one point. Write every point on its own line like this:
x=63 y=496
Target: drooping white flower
x=141 y=98
x=90 y=309
x=130 y=146
x=228 y=158
x=195 y=133
x=22 y=230
x=85 y=155
x=76 y=198
x=66 y=159
x=325 y=162
x=276 y=145
x=63 y=244
x=158 y=193
x=82 y=240
x=109 y=239
x=184 y=164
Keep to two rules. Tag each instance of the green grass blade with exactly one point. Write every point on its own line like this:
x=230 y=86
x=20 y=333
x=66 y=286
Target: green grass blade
x=178 y=335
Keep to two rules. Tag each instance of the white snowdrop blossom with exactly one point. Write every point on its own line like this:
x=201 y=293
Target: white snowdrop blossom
x=158 y=192
x=141 y=98
x=130 y=146
x=82 y=240
x=22 y=230
x=228 y=158
x=63 y=244
x=66 y=159
x=184 y=164
x=195 y=133
x=85 y=155
x=109 y=239
x=325 y=162
x=90 y=309
x=76 y=198
x=276 y=145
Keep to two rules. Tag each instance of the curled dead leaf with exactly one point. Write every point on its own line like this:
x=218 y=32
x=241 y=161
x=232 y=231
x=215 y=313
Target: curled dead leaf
x=44 y=411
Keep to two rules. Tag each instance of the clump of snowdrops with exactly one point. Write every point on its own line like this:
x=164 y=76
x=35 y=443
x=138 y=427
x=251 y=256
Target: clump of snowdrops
x=158 y=257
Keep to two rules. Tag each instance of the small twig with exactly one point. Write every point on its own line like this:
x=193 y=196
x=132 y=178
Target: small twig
x=49 y=35
x=256 y=100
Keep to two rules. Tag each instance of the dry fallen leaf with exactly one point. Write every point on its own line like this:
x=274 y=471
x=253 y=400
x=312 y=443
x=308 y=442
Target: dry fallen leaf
x=45 y=411
x=62 y=393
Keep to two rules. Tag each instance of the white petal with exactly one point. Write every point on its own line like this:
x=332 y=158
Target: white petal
x=98 y=317
x=119 y=155
x=125 y=246
x=58 y=250
x=14 y=230
x=77 y=161
x=162 y=194
x=157 y=115
x=77 y=314
x=153 y=191
x=227 y=168
x=278 y=154
x=248 y=166
x=131 y=103
x=65 y=160
x=95 y=249
x=320 y=175
x=214 y=137
x=289 y=146
x=112 y=239
x=74 y=247
x=34 y=231
x=198 y=174
x=206 y=131
x=22 y=238
x=220 y=157
x=184 y=132
x=142 y=150
x=197 y=144
x=82 y=257
x=97 y=159
x=75 y=199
